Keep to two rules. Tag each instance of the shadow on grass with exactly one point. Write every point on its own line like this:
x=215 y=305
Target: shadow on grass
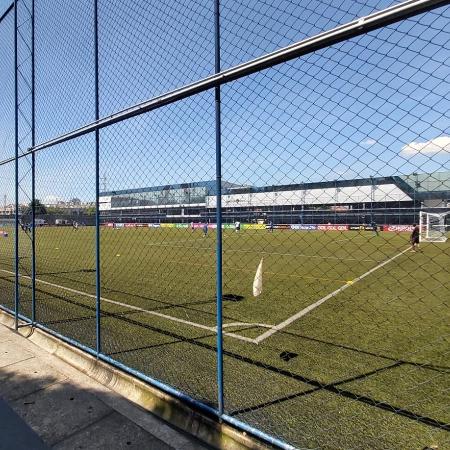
x=278 y=371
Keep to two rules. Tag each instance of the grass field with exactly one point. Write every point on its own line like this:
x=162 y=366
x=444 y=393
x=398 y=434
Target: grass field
x=347 y=347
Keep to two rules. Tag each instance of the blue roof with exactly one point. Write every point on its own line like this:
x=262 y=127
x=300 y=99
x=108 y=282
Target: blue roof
x=209 y=185
x=428 y=186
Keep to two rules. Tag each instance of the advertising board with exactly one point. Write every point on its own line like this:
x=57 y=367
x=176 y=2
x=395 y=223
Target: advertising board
x=398 y=228
x=361 y=227
x=253 y=226
x=332 y=227
x=304 y=226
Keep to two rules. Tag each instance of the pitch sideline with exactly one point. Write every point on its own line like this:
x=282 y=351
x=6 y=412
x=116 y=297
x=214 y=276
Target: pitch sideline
x=272 y=328
x=309 y=308
x=146 y=311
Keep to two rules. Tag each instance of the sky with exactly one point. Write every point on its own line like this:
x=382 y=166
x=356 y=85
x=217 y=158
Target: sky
x=374 y=105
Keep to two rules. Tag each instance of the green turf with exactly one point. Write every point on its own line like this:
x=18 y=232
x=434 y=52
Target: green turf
x=371 y=369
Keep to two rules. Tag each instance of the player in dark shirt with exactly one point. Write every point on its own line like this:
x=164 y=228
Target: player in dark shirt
x=415 y=238
x=375 y=228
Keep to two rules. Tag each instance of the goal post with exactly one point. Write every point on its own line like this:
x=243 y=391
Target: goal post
x=432 y=226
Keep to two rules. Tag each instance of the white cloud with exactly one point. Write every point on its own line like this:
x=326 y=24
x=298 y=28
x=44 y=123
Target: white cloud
x=369 y=142
x=436 y=145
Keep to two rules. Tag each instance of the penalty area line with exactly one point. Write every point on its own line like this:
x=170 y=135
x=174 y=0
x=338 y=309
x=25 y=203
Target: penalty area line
x=146 y=311
x=309 y=308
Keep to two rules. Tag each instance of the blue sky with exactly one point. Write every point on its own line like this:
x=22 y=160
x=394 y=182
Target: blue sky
x=374 y=105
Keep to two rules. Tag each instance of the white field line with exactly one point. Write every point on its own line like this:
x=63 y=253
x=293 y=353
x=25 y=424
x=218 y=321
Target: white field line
x=247 y=324
x=181 y=241
x=302 y=255
x=272 y=329
x=146 y=311
x=355 y=238
x=309 y=308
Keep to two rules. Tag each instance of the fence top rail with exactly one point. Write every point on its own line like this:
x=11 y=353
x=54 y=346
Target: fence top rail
x=338 y=34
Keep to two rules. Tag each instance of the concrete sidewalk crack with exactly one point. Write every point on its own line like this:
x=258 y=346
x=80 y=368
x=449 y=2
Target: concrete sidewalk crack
x=42 y=388
x=17 y=362
x=81 y=429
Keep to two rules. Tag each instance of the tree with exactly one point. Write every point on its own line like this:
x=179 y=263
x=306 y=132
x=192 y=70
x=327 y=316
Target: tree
x=75 y=201
x=39 y=208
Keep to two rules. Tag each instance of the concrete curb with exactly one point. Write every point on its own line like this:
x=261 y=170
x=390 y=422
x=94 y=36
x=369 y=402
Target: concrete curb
x=161 y=404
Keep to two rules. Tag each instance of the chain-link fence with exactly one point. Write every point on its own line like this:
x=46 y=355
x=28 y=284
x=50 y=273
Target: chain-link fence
x=246 y=204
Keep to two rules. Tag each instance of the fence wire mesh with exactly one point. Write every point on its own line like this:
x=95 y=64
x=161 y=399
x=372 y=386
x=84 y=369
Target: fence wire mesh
x=7 y=223
x=168 y=280
x=341 y=332
x=331 y=274
x=64 y=47
x=167 y=44
x=65 y=286
x=7 y=151
x=7 y=83
x=253 y=28
x=23 y=168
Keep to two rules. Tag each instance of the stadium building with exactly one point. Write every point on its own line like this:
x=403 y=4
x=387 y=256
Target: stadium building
x=384 y=200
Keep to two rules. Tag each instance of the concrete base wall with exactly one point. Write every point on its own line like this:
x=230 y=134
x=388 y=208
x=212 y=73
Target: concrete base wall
x=172 y=410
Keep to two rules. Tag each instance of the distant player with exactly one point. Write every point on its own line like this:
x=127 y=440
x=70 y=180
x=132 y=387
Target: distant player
x=75 y=225
x=415 y=238
x=237 y=226
x=375 y=228
x=205 y=230
x=270 y=228
x=192 y=226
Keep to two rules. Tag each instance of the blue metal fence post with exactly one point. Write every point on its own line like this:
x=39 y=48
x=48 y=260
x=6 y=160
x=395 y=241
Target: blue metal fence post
x=16 y=175
x=97 y=190
x=218 y=214
x=33 y=173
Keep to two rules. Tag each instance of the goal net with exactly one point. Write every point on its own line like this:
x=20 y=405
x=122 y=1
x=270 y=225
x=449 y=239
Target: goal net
x=432 y=227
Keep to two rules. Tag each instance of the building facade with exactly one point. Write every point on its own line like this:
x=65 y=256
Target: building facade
x=395 y=199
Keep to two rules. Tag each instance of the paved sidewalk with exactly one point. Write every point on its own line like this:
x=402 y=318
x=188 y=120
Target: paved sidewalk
x=49 y=404
x=15 y=433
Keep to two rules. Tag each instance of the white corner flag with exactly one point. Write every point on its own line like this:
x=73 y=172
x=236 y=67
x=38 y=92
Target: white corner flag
x=257 y=282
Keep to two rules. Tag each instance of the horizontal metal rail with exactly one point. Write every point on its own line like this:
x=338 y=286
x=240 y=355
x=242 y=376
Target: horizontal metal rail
x=341 y=33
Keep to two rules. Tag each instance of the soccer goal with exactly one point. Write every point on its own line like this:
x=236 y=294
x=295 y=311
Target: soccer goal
x=432 y=227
